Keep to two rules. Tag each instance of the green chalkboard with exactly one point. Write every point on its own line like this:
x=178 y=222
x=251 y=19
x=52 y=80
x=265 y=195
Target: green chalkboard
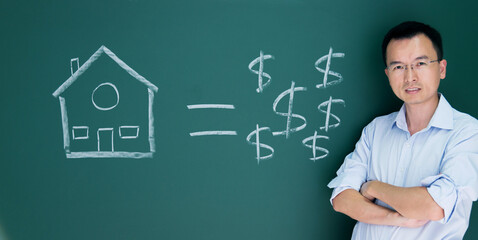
x=139 y=119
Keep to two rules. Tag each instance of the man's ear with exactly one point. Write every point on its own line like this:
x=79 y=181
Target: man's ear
x=443 y=64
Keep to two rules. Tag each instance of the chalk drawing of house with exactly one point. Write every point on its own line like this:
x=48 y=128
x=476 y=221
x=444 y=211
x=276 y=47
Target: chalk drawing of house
x=110 y=138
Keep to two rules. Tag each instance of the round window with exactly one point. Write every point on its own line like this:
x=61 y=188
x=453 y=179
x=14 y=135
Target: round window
x=105 y=97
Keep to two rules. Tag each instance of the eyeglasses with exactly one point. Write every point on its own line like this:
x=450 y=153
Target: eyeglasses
x=398 y=69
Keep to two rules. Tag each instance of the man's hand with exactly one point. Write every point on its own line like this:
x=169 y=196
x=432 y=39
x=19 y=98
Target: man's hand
x=402 y=221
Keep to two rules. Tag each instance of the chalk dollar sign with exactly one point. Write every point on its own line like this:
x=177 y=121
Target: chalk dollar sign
x=328 y=105
x=325 y=83
x=260 y=145
x=289 y=113
x=314 y=146
x=260 y=73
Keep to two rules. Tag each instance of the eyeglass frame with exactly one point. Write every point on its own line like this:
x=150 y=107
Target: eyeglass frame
x=406 y=65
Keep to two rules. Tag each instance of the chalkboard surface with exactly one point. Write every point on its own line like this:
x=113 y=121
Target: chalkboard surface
x=214 y=119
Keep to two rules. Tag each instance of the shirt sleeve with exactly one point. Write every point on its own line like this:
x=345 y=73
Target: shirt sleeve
x=353 y=172
x=459 y=174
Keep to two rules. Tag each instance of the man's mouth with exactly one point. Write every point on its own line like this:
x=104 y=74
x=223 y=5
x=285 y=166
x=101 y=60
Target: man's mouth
x=412 y=90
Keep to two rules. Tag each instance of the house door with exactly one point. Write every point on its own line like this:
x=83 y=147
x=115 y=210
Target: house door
x=105 y=140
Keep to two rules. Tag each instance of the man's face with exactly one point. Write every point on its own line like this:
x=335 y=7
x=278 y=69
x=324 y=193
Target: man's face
x=417 y=86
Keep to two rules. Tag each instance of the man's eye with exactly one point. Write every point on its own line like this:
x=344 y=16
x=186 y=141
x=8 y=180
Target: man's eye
x=398 y=67
x=421 y=64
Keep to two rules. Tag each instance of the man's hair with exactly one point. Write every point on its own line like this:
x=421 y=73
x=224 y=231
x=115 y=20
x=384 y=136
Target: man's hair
x=410 y=29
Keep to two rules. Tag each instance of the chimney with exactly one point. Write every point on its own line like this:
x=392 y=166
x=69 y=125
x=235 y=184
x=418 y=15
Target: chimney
x=77 y=60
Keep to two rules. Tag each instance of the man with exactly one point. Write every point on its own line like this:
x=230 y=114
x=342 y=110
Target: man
x=413 y=173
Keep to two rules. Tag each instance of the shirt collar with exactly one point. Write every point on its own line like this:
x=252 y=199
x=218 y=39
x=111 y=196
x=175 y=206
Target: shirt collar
x=442 y=118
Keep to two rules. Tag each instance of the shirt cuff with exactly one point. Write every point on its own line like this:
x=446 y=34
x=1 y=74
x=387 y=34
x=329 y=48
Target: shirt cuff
x=344 y=182
x=444 y=193
x=351 y=180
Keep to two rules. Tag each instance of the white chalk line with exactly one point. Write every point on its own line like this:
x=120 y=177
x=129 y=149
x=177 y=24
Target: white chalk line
x=213 y=133
x=135 y=155
x=327 y=70
x=125 y=136
x=327 y=113
x=259 y=144
x=83 y=136
x=105 y=108
x=314 y=146
x=152 y=142
x=91 y=60
x=112 y=137
x=289 y=114
x=261 y=72
x=77 y=60
x=76 y=73
x=211 y=106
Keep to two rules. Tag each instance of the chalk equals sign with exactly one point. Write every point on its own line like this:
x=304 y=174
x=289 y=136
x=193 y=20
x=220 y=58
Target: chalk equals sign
x=216 y=132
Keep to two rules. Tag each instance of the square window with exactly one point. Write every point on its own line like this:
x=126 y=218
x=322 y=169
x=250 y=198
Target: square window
x=129 y=132
x=80 y=132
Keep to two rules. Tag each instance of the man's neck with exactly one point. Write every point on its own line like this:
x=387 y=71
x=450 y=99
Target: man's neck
x=419 y=115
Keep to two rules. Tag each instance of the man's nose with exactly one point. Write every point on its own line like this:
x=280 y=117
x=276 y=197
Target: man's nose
x=410 y=74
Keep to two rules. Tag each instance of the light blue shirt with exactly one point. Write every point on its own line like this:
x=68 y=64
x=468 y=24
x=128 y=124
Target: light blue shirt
x=442 y=157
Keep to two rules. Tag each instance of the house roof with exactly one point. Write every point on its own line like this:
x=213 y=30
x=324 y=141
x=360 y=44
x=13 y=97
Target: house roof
x=91 y=60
